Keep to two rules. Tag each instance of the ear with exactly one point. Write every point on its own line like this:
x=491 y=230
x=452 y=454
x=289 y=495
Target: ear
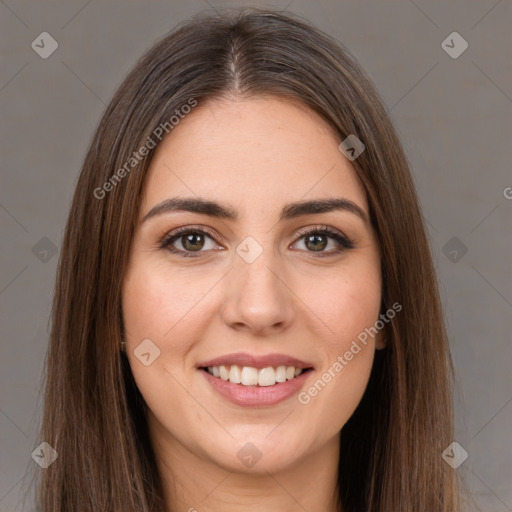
x=381 y=340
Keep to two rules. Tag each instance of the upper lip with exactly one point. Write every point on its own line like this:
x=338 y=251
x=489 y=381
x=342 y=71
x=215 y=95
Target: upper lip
x=264 y=361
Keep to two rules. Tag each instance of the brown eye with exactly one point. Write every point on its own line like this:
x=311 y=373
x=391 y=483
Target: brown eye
x=187 y=241
x=192 y=242
x=316 y=242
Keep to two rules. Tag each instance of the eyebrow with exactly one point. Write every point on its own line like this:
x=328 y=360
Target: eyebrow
x=289 y=211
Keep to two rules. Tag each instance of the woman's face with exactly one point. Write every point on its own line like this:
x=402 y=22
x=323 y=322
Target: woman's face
x=252 y=288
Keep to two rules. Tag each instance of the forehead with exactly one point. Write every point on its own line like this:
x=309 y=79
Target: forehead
x=259 y=153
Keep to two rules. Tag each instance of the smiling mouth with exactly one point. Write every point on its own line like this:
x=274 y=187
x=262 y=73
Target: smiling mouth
x=251 y=376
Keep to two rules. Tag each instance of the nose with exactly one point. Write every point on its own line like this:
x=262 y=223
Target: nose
x=257 y=298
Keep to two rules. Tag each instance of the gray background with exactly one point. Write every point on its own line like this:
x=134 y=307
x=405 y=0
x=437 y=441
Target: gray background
x=454 y=117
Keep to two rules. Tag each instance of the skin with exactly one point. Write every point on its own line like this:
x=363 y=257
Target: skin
x=255 y=155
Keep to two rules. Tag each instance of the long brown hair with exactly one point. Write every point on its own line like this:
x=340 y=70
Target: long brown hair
x=94 y=415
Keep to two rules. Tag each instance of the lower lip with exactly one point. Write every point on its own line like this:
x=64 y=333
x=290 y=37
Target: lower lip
x=256 y=396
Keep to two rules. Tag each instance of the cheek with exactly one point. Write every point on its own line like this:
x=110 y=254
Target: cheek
x=155 y=303
x=173 y=311
x=336 y=390
x=348 y=306
x=157 y=307
x=152 y=310
x=345 y=301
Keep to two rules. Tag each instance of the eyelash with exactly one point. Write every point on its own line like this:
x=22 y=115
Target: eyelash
x=344 y=242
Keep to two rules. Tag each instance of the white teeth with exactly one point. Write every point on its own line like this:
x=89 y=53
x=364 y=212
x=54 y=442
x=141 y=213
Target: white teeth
x=281 y=374
x=234 y=374
x=223 y=372
x=249 y=376
x=267 y=376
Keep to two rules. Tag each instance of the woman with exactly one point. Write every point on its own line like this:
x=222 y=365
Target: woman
x=246 y=313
